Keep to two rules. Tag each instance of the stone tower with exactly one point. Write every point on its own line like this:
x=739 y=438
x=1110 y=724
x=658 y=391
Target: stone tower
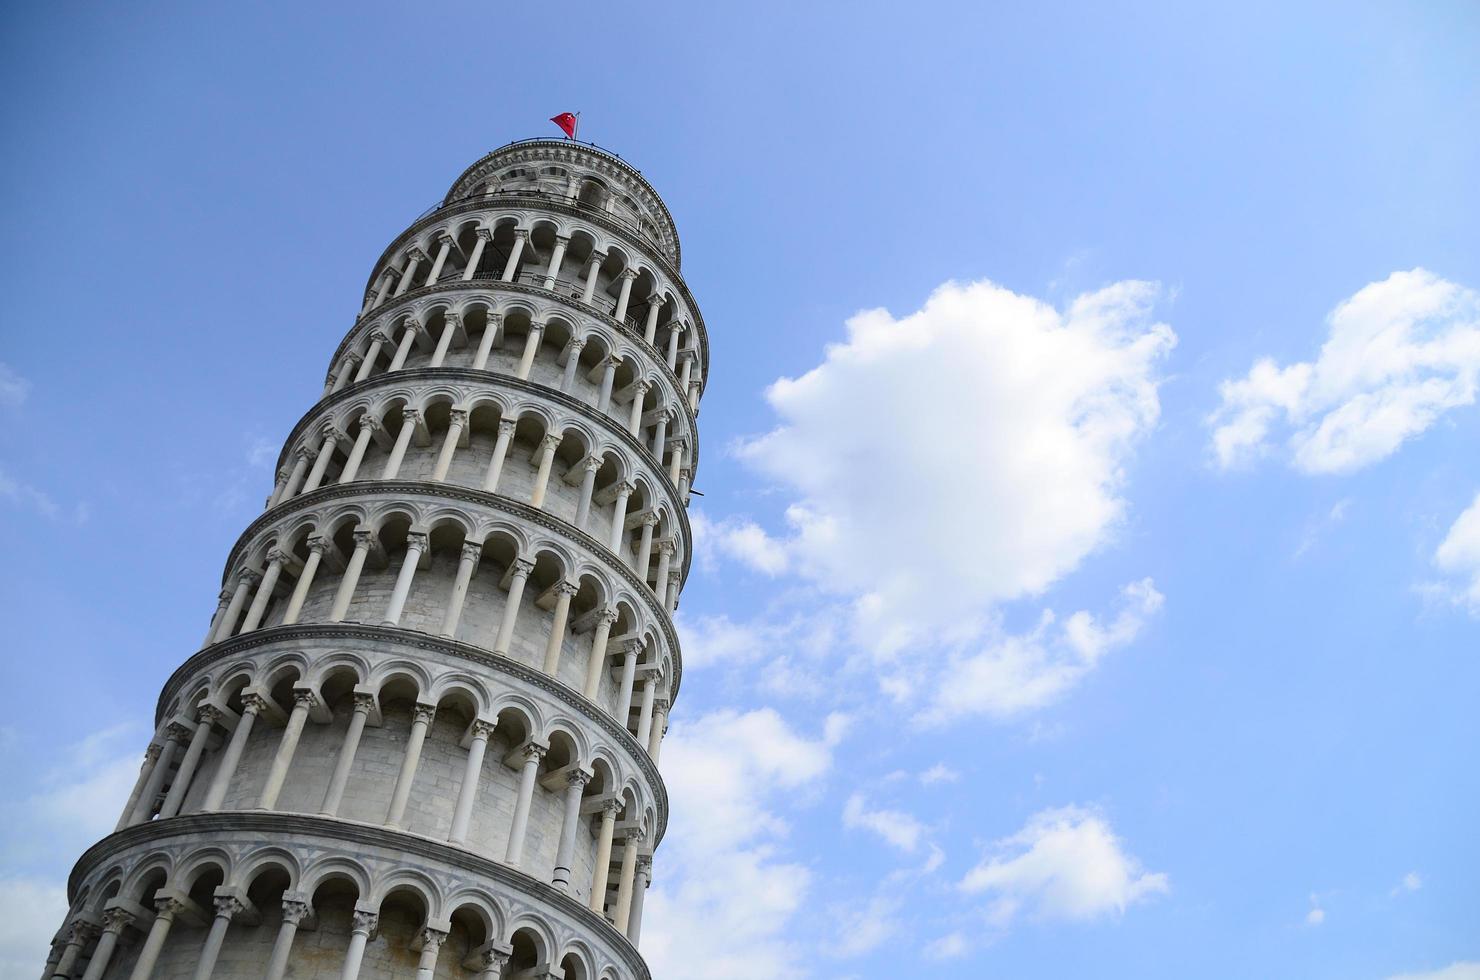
x=421 y=736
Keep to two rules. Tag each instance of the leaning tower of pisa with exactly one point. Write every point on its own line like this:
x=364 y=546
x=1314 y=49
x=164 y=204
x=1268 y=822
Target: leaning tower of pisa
x=421 y=735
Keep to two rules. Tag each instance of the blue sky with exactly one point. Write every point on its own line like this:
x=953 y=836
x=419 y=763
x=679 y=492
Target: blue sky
x=1036 y=631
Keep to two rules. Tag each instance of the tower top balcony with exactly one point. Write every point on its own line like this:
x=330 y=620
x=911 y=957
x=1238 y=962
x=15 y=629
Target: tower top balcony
x=576 y=174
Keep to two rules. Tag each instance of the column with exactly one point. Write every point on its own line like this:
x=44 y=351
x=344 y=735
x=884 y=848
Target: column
x=301 y=457
x=346 y=368
x=522 y=568
x=492 y=330
x=468 y=791
x=421 y=720
x=387 y=277
x=165 y=911
x=303 y=703
x=570 y=823
x=639 y=392
x=624 y=296
x=629 y=676
x=369 y=425
x=450 y=325
x=146 y=769
x=414 y=258
x=275 y=560
x=409 y=332
x=500 y=451
x=410 y=419
x=645 y=712
x=223 y=599
x=660 y=435
x=226 y=907
x=670 y=600
x=660 y=725
x=589 y=466
x=619 y=517
x=599 y=637
x=572 y=365
x=467 y=564
x=378 y=339
x=665 y=558
x=608 y=378
x=548 y=445
x=294 y=912
x=244 y=584
x=491 y=963
x=531 y=347
x=557 y=258
x=675 y=463
x=455 y=426
x=595 y=266
x=639 y=893
x=603 y=854
x=511 y=268
x=563 y=594
x=650 y=329
x=317 y=545
x=79 y=934
x=364 y=924
x=416 y=546
x=363 y=703
x=331 y=437
x=145 y=807
x=484 y=237
x=533 y=753
x=673 y=345
x=623 y=911
x=115 y=920
x=351 y=577
x=252 y=706
x=444 y=246
x=645 y=545
x=683 y=374
x=205 y=721
x=431 y=945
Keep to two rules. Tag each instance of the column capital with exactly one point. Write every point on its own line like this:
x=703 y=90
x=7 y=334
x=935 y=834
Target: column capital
x=507 y=425
x=625 y=489
x=332 y=433
x=365 y=922
x=577 y=344
x=80 y=930
x=177 y=732
x=295 y=910
x=228 y=906
x=225 y=596
x=444 y=238
x=457 y=417
x=254 y=703
x=612 y=806
x=609 y=616
x=411 y=416
x=472 y=550
x=534 y=750
x=379 y=336
x=371 y=422
x=642 y=386
x=363 y=537
x=305 y=699
x=522 y=233
x=412 y=324
x=598 y=256
x=590 y=464
x=210 y=715
x=415 y=253
x=485 y=233
x=304 y=454
x=151 y=753
x=629 y=274
x=277 y=556
x=364 y=701
x=536 y=326
x=491 y=956
x=522 y=566
x=423 y=712
x=452 y=317
x=116 y=919
x=567 y=588
x=552 y=441
x=319 y=543
x=562 y=239
x=636 y=836
x=483 y=729
x=416 y=541
x=168 y=908
x=650 y=519
x=645 y=866
x=354 y=357
x=666 y=547
x=578 y=777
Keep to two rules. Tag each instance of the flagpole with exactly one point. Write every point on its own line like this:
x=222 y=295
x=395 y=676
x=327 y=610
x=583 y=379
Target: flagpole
x=577 y=136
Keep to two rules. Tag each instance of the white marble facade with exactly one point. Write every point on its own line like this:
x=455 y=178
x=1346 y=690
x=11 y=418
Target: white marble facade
x=421 y=736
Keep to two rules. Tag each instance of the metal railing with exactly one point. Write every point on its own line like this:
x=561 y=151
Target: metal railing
x=542 y=194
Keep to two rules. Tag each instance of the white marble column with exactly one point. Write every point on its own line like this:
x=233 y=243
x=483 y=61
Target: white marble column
x=619 y=517
x=622 y=913
x=115 y=920
x=295 y=910
x=500 y=453
x=378 y=340
x=364 y=541
x=387 y=277
x=645 y=545
x=599 y=638
x=303 y=702
x=650 y=328
x=317 y=545
x=511 y=268
x=484 y=237
x=244 y=582
x=173 y=736
x=79 y=934
x=416 y=546
x=521 y=571
x=302 y=456
x=252 y=706
x=410 y=330
x=572 y=364
x=363 y=703
x=639 y=392
x=564 y=592
x=603 y=855
x=591 y=272
x=331 y=439
x=629 y=677
x=491 y=963
x=205 y=721
x=532 y=753
x=223 y=600
x=414 y=258
x=570 y=822
x=455 y=426
x=410 y=421
x=227 y=908
x=421 y=720
x=146 y=769
x=589 y=466
x=660 y=434
x=276 y=558
x=369 y=425
x=547 y=448
x=608 y=379
x=467 y=793
x=451 y=324
x=660 y=725
x=444 y=248
x=557 y=258
x=492 y=331
x=531 y=348
x=164 y=916
x=673 y=335
x=665 y=558
x=670 y=598
x=345 y=372
x=639 y=894
x=624 y=295
x=467 y=564
x=431 y=946
x=645 y=712
x=364 y=924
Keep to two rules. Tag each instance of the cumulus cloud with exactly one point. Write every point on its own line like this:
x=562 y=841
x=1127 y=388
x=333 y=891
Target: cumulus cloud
x=939 y=773
x=1458 y=555
x=1066 y=863
x=898 y=829
x=1398 y=355
x=951 y=946
x=862 y=927
x=1466 y=970
x=739 y=539
x=728 y=894
x=1016 y=673
x=971 y=452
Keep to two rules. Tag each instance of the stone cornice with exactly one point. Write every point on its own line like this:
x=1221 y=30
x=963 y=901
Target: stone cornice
x=339 y=833
x=445 y=491
x=395 y=637
x=516 y=202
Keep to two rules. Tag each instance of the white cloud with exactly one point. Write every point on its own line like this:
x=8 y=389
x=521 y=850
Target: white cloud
x=1459 y=556
x=1467 y=970
x=1017 y=673
x=1411 y=882
x=727 y=895
x=31 y=910
x=1315 y=916
x=899 y=830
x=261 y=452
x=741 y=540
x=24 y=495
x=948 y=947
x=1399 y=354
x=1066 y=863
x=14 y=389
x=864 y=927
x=968 y=453
x=939 y=773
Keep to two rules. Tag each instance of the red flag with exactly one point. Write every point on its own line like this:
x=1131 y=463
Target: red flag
x=567 y=121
